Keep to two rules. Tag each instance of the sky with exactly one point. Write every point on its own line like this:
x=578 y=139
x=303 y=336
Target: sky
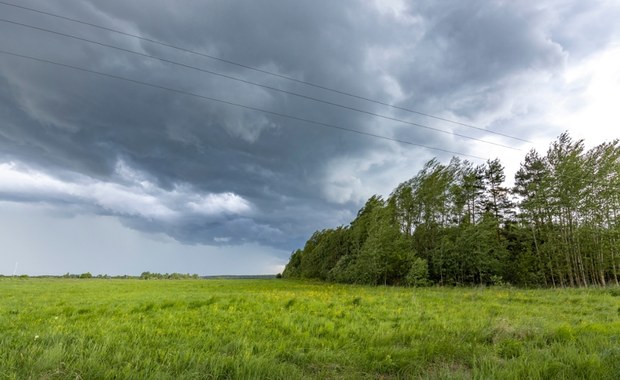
x=119 y=155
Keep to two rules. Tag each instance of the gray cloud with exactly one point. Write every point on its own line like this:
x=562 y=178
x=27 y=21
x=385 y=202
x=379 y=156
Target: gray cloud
x=473 y=61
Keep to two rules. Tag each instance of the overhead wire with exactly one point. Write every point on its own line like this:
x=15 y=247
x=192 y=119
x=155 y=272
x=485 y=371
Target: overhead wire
x=234 y=104
x=248 y=67
x=230 y=77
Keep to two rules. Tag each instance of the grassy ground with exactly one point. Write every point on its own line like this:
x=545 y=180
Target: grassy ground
x=91 y=329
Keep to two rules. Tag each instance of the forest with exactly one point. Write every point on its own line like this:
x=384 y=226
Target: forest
x=459 y=224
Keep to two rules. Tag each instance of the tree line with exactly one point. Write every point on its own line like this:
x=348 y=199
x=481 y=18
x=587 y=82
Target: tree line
x=459 y=224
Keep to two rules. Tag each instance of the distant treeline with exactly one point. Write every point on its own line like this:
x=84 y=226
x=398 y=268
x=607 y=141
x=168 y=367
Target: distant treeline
x=167 y=276
x=459 y=224
x=143 y=276
x=156 y=276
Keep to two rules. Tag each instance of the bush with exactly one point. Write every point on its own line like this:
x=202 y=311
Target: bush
x=418 y=273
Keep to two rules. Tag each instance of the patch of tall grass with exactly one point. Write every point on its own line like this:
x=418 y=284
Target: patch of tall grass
x=217 y=329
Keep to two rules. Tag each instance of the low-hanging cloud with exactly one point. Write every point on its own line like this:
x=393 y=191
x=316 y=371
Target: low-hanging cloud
x=131 y=196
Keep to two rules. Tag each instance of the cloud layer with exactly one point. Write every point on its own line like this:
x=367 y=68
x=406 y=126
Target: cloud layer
x=208 y=173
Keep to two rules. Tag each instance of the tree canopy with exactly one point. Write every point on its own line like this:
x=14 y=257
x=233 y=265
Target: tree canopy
x=457 y=224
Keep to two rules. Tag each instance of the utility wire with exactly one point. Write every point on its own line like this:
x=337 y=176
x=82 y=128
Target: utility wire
x=154 y=41
x=274 y=113
x=254 y=83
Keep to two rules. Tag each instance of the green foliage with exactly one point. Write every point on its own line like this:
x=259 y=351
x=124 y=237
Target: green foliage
x=284 y=329
x=385 y=254
x=418 y=273
x=167 y=276
x=345 y=270
x=293 y=268
x=558 y=226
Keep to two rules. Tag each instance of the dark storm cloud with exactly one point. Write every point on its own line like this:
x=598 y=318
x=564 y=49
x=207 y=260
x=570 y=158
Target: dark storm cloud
x=448 y=58
x=470 y=52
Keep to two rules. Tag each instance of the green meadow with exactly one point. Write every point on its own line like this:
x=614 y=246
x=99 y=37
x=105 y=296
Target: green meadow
x=283 y=329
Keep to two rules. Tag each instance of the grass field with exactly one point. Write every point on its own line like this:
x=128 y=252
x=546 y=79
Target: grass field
x=91 y=329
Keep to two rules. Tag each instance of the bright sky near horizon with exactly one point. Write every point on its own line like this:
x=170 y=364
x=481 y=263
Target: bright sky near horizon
x=103 y=175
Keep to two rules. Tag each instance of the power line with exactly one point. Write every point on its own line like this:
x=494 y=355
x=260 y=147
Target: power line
x=253 y=83
x=274 y=113
x=154 y=41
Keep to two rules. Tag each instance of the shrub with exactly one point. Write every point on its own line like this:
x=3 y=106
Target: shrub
x=418 y=273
